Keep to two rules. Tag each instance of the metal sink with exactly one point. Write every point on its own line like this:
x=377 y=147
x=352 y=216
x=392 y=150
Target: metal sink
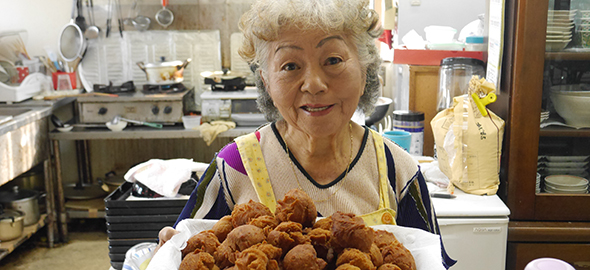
x=8 y=111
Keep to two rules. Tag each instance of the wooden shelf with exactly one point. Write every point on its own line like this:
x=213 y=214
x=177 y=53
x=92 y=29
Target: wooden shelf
x=564 y=132
x=572 y=56
x=9 y=246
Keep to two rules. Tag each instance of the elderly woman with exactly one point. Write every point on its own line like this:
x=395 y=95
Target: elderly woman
x=316 y=63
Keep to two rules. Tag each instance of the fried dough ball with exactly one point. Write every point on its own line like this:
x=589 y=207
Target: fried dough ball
x=252 y=259
x=222 y=228
x=198 y=260
x=350 y=231
x=397 y=254
x=320 y=239
x=244 y=212
x=205 y=240
x=303 y=257
x=393 y=251
x=286 y=236
x=244 y=236
x=347 y=266
x=237 y=240
x=297 y=206
x=376 y=256
x=225 y=256
x=357 y=258
x=324 y=223
x=260 y=256
x=389 y=266
x=266 y=223
x=383 y=238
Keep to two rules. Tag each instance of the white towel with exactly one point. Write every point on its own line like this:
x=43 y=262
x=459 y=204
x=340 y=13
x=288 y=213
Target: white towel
x=164 y=176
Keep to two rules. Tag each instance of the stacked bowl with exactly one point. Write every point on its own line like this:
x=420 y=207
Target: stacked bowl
x=566 y=184
x=560 y=24
x=583 y=29
x=572 y=103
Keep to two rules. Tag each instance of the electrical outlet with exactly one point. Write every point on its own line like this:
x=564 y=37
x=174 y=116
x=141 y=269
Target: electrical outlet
x=415 y=2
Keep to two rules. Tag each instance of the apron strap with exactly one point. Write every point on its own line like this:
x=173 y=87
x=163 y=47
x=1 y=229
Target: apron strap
x=382 y=166
x=251 y=154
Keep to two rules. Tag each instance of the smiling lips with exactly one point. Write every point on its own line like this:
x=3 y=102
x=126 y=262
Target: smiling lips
x=311 y=108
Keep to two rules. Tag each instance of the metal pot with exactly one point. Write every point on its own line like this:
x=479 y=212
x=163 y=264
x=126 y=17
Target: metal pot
x=225 y=80
x=11 y=224
x=164 y=72
x=26 y=201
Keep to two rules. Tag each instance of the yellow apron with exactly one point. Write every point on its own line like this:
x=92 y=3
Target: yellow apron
x=251 y=155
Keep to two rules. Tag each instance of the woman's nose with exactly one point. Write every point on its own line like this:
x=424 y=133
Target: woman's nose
x=314 y=81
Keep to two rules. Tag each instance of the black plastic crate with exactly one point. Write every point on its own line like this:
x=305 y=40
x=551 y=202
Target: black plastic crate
x=143 y=211
x=133 y=226
x=117 y=265
x=117 y=257
x=132 y=234
x=131 y=242
x=118 y=199
x=170 y=219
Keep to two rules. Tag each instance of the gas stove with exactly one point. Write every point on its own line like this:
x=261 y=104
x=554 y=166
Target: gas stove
x=153 y=103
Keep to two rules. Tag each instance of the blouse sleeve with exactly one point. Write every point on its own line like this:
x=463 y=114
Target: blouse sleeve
x=207 y=200
x=415 y=208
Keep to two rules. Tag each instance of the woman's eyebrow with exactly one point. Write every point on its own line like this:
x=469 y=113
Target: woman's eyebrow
x=288 y=46
x=323 y=41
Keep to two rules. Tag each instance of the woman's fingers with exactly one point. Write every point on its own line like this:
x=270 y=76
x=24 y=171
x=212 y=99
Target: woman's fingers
x=164 y=235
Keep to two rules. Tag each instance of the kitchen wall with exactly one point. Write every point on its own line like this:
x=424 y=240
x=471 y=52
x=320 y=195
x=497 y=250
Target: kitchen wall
x=454 y=13
x=44 y=19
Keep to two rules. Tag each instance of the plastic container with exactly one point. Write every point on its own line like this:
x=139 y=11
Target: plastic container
x=475 y=43
x=548 y=264
x=191 y=121
x=412 y=122
x=400 y=137
x=454 y=76
x=440 y=34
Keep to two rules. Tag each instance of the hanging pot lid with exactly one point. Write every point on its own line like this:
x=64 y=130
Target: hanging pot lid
x=17 y=194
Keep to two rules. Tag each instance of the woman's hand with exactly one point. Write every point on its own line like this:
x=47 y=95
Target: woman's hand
x=164 y=235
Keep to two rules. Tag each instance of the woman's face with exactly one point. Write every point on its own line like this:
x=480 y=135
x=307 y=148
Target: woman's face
x=315 y=80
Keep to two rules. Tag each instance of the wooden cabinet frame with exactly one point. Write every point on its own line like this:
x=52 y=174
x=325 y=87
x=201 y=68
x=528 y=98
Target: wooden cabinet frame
x=523 y=72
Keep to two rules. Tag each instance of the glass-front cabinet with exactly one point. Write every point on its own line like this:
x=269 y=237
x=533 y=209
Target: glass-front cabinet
x=546 y=78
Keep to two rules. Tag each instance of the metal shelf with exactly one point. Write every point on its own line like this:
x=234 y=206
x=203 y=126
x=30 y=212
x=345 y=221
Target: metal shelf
x=141 y=132
x=9 y=246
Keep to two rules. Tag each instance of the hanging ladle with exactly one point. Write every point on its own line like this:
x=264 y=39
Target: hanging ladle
x=92 y=31
x=164 y=16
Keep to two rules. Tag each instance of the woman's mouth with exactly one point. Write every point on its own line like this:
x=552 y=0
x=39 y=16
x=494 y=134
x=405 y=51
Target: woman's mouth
x=315 y=108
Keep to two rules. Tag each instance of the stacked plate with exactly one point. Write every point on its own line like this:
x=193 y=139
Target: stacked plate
x=566 y=184
x=560 y=24
x=560 y=165
x=538 y=184
x=544 y=115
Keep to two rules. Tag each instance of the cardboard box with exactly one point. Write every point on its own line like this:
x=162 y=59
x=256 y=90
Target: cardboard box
x=432 y=57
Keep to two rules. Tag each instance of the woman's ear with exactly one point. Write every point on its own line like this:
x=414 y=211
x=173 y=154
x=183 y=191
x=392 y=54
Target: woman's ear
x=261 y=73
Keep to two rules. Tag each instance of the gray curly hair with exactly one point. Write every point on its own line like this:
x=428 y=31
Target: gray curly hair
x=264 y=21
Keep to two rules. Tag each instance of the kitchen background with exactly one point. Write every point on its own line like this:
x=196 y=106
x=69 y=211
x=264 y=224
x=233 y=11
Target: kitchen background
x=44 y=20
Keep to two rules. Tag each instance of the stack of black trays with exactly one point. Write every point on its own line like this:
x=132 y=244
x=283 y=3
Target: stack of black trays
x=130 y=222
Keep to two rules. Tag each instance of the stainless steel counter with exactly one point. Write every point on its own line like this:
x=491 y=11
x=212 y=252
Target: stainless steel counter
x=27 y=112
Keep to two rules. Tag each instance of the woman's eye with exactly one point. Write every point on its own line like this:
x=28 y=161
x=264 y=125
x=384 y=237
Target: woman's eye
x=333 y=61
x=289 y=67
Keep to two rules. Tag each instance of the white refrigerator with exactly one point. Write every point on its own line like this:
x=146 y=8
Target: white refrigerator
x=474 y=230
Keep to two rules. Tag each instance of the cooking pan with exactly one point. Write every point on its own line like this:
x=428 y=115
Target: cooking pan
x=164 y=72
x=71 y=41
x=11 y=224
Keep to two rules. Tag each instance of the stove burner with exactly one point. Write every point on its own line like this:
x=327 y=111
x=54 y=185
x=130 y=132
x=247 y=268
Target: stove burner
x=163 y=89
x=127 y=87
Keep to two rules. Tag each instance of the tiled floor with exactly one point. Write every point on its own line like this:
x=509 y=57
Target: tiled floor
x=87 y=248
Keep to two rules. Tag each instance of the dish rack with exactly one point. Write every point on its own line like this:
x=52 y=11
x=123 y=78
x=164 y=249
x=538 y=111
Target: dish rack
x=30 y=87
